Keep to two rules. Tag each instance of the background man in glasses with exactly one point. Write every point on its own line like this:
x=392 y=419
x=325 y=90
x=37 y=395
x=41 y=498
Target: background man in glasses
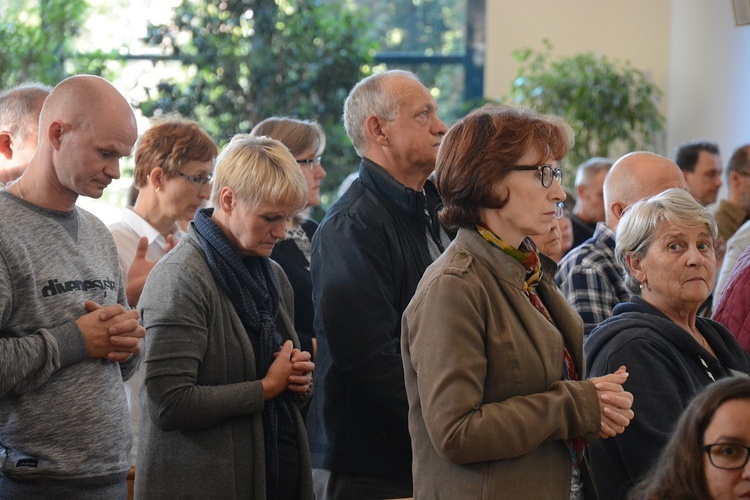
x=733 y=213
x=700 y=163
x=368 y=255
x=589 y=275
x=735 y=209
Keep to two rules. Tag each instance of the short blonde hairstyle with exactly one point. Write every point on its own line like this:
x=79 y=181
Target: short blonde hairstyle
x=260 y=170
x=641 y=222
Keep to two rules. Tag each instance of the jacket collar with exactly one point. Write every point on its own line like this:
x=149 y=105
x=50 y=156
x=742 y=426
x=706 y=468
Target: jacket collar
x=498 y=262
x=405 y=198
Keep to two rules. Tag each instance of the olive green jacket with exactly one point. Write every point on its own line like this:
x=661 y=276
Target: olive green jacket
x=488 y=411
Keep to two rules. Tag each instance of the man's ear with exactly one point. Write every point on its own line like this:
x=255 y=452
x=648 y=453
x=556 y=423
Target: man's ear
x=6 y=146
x=54 y=134
x=734 y=178
x=617 y=209
x=376 y=130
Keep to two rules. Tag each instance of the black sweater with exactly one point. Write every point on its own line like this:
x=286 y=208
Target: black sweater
x=667 y=368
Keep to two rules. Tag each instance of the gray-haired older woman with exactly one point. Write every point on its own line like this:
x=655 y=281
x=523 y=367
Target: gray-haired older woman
x=665 y=244
x=224 y=376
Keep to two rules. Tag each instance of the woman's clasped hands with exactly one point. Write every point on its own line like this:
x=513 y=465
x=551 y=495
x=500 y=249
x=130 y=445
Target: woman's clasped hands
x=291 y=370
x=615 y=403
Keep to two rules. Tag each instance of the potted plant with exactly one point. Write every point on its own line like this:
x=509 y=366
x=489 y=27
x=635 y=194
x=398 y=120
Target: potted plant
x=611 y=106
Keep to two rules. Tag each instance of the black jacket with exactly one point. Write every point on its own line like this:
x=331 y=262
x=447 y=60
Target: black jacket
x=368 y=256
x=295 y=266
x=667 y=367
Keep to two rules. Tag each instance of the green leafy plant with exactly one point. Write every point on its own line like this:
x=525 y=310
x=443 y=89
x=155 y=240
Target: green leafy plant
x=607 y=103
x=245 y=60
x=38 y=40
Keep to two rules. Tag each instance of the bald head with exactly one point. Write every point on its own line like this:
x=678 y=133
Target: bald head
x=636 y=176
x=87 y=100
x=85 y=128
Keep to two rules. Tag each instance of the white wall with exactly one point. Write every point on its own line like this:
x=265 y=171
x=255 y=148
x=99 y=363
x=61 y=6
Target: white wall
x=709 y=85
x=690 y=48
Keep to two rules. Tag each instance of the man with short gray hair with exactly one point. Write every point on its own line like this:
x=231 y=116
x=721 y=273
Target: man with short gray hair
x=589 y=206
x=368 y=256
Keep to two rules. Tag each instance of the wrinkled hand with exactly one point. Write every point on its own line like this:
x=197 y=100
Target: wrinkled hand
x=614 y=403
x=301 y=381
x=110 y=332
x=140 y=267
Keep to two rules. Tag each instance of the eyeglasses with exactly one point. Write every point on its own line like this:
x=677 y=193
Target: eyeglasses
x=311 y=163
x=548 y=173
x=727 y=456
x=560 y=210
x=198 y=180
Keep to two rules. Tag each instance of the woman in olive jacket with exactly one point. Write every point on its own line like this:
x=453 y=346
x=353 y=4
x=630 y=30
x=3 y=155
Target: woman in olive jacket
x=492 y=351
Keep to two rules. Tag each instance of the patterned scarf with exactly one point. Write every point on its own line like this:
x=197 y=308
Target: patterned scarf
x=251 y=286
x=528 y=256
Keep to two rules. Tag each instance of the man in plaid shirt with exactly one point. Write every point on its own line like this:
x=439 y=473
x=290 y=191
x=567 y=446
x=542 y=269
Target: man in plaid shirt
x=588 y=275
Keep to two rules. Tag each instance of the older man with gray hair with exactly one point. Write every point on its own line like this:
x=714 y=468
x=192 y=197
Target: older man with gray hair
x=368 y=256
x=589 y=206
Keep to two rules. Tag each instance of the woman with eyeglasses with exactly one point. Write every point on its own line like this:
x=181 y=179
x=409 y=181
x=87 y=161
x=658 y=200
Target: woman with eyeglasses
x=174 y=162
x=225 y=380
x=707 y=454
x=492 y=352
x=665 y=246
x=306 y=141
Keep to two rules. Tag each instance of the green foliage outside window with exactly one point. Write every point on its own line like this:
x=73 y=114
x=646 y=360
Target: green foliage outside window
x=243 y=61
x=38 y=40
x=236 y=62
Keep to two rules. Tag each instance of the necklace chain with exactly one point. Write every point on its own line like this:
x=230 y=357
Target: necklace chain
x=20 y=193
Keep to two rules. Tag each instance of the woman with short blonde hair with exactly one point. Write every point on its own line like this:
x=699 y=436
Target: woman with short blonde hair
x=225 y=378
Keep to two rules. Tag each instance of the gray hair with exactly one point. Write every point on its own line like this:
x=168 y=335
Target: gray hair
x=588 y=169
x=639 y=224
x=20 y=108
x=369 y=97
